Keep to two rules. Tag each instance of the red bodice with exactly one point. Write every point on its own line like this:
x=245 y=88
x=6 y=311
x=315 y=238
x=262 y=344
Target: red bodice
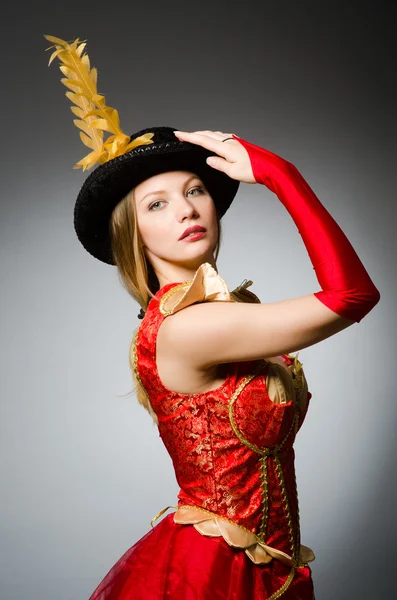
x=232 y=447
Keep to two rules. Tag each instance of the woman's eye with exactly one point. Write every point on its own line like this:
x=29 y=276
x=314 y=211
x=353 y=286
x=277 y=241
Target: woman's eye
x=197 y=189
x=151 y=206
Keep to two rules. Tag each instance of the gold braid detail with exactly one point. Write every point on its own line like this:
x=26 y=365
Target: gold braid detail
x=284 y=587
x=265 y=512
x=280 y=476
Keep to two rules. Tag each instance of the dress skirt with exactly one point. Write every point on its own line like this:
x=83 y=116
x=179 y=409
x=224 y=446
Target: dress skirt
x=174 y=561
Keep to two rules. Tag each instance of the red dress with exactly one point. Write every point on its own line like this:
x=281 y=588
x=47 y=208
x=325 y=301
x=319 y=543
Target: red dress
x=235 y=534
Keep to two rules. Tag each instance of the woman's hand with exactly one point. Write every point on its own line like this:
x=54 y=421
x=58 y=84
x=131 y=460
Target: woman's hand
x=233 y=159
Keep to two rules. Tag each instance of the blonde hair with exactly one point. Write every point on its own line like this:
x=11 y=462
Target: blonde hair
x=136 y=273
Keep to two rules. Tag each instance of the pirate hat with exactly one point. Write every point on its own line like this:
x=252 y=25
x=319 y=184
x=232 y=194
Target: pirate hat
x=124 y=161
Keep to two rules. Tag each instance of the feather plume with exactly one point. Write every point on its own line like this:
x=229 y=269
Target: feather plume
x=94 y=116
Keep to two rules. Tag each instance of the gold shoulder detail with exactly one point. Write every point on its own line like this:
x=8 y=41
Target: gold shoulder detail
x=206 y=285
x=241 y=294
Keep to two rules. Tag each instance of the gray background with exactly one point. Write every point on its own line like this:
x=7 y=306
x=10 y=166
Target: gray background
x=83 y=469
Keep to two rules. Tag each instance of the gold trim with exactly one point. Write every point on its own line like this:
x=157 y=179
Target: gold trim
x=265 y=496
x=168 y=294
x=280 y=476
x=284 y=587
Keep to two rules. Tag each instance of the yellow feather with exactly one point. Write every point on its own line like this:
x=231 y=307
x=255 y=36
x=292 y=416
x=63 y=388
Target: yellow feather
x=146 y=138
x=55 y=40
x=73 y=85
x=105 y=125
x=76 y=98
x=90 y=160
x=95 y=112
x=80 y=48
x=54 y=55
x=95 y=117
x=83 y=126
x=77 y=111
x=87 y=140
x=94 y=75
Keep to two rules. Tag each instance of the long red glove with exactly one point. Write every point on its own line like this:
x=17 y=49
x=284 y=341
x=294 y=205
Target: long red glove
x=347 y=288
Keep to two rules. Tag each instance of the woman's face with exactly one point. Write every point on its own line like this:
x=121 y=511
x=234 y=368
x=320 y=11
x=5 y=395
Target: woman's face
x=166 y=205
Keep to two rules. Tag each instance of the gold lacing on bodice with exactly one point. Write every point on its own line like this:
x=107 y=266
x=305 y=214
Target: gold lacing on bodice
x=273 y=453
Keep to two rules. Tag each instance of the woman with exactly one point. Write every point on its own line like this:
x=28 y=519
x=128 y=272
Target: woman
x=213 y=366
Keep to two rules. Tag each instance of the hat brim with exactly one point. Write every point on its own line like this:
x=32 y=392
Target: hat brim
x=109 y=183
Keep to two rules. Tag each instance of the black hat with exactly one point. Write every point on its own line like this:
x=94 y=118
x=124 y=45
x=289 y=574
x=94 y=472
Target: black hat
x=124 y=161
x=112 y=181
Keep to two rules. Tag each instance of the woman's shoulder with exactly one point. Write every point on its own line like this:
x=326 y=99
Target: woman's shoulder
x=151 y=354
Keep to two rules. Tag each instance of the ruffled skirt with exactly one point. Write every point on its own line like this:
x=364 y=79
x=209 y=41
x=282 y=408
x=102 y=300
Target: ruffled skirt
x=177 y=562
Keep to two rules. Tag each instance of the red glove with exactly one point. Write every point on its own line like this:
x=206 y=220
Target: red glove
x=347 y=288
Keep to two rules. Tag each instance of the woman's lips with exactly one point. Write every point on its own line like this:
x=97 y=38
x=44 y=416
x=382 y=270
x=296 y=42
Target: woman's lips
x=196 y=235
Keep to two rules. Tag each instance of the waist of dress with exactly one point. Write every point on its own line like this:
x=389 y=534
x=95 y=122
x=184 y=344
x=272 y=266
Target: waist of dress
x=212 y=525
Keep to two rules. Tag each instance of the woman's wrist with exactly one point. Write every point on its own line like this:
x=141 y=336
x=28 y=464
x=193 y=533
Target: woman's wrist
x=268 y=168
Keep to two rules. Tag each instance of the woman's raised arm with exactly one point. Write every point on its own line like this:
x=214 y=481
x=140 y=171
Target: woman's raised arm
x=228 y=332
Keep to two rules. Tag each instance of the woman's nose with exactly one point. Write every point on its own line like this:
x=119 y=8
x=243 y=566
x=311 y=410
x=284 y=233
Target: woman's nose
x=187 y=208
